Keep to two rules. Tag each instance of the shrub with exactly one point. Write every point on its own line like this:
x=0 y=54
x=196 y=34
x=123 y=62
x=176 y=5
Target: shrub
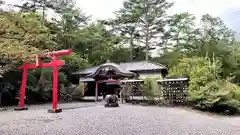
x=81 y=89
x=149 y=88
x=207 y=91
x=42 y=91
x=218 y=96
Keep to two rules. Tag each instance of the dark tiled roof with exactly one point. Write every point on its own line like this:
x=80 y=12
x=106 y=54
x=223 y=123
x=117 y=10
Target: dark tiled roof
x=141 y=65
x=92 y=70
x=125 y=68
x=120 y=69
x=87 y=70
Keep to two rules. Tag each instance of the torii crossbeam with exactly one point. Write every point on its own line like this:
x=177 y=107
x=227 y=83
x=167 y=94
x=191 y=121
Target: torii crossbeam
x=55 y=63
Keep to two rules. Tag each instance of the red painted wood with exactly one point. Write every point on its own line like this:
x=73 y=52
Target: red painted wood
x=43 y=65
x=55 y=87
x=55 y=63
x=23 y=88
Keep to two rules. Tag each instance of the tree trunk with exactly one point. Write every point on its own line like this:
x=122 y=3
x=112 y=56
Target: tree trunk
x=42 y=82
x=131 y=47
x=147 y=33
x=147 y=47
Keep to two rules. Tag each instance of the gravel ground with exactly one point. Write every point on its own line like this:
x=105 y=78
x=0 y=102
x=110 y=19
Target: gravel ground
x=124 y=120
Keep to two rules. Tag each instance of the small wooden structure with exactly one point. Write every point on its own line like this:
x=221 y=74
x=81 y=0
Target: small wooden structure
x=174 y=90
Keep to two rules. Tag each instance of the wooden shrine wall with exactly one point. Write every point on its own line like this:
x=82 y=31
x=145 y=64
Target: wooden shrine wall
x=174 y=91
x=133 y=88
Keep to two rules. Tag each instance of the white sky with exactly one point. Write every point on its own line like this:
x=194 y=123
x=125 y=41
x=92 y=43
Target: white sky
x=228 y=10
x=105 y=8
x=102 y=9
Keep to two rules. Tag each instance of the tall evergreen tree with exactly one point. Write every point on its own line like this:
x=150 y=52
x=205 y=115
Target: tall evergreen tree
x=148 y=20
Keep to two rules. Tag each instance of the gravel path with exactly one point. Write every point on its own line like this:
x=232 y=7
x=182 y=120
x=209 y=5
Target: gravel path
x=124 y=120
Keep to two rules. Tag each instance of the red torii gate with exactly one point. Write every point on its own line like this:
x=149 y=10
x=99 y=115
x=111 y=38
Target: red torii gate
x=55 y=63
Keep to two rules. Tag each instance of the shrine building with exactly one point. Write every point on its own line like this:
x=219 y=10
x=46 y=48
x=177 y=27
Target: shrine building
x=97 y=78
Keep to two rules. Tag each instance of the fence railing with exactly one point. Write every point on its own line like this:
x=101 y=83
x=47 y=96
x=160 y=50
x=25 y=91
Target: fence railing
x=170 y=91
x=174 y=90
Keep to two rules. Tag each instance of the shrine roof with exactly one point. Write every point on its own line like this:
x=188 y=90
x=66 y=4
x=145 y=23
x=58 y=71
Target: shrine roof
x=125 y=68
x=93 y=70
x=141 y=65
x=119 y=69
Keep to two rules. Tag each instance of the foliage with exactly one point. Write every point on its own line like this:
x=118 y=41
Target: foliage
x=200 y=70
x=43 y=88
x=149 y=89
x=81 y=89
x=142 y=21
x=218 y=96
x=207 y=52
x=206 y=90
x=23 y=35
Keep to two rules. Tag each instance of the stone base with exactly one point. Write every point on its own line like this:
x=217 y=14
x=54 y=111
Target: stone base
x=111 y=105
x=3 y=109
x=54 y=110
x=20 y=108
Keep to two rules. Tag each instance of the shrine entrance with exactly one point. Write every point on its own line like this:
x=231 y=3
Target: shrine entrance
x=109 y=86
x=106 y=78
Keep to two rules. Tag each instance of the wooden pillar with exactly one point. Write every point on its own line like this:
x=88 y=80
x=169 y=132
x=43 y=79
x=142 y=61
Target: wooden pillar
x=55 y=64
x=55 y=88
x=23 y=87
x=96 y=91
x=21 y=105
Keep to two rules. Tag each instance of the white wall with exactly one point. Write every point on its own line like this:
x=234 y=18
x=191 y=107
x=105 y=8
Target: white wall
x=150 y=75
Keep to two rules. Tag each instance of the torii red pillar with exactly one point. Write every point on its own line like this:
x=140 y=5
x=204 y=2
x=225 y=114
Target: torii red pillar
x=55 y=63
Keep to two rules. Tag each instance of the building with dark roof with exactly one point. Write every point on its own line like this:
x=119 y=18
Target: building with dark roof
x=140 y=69
x=95 y=78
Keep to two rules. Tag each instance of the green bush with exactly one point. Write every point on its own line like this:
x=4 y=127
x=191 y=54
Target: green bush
x=44 y=92
x=81 y=89
x=218 y=96
x=149 y=88
x=207 y=91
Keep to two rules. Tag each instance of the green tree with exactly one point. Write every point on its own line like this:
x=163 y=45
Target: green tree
x=144 y=20
x=181 y=30
x=125 y=25
x=206 y=89
x=22 y=36
x=96 y=43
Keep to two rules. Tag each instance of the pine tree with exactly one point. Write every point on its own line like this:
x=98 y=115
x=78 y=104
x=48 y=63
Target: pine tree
x=146 y=21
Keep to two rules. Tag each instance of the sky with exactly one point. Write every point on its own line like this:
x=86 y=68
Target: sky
x=228 y=10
